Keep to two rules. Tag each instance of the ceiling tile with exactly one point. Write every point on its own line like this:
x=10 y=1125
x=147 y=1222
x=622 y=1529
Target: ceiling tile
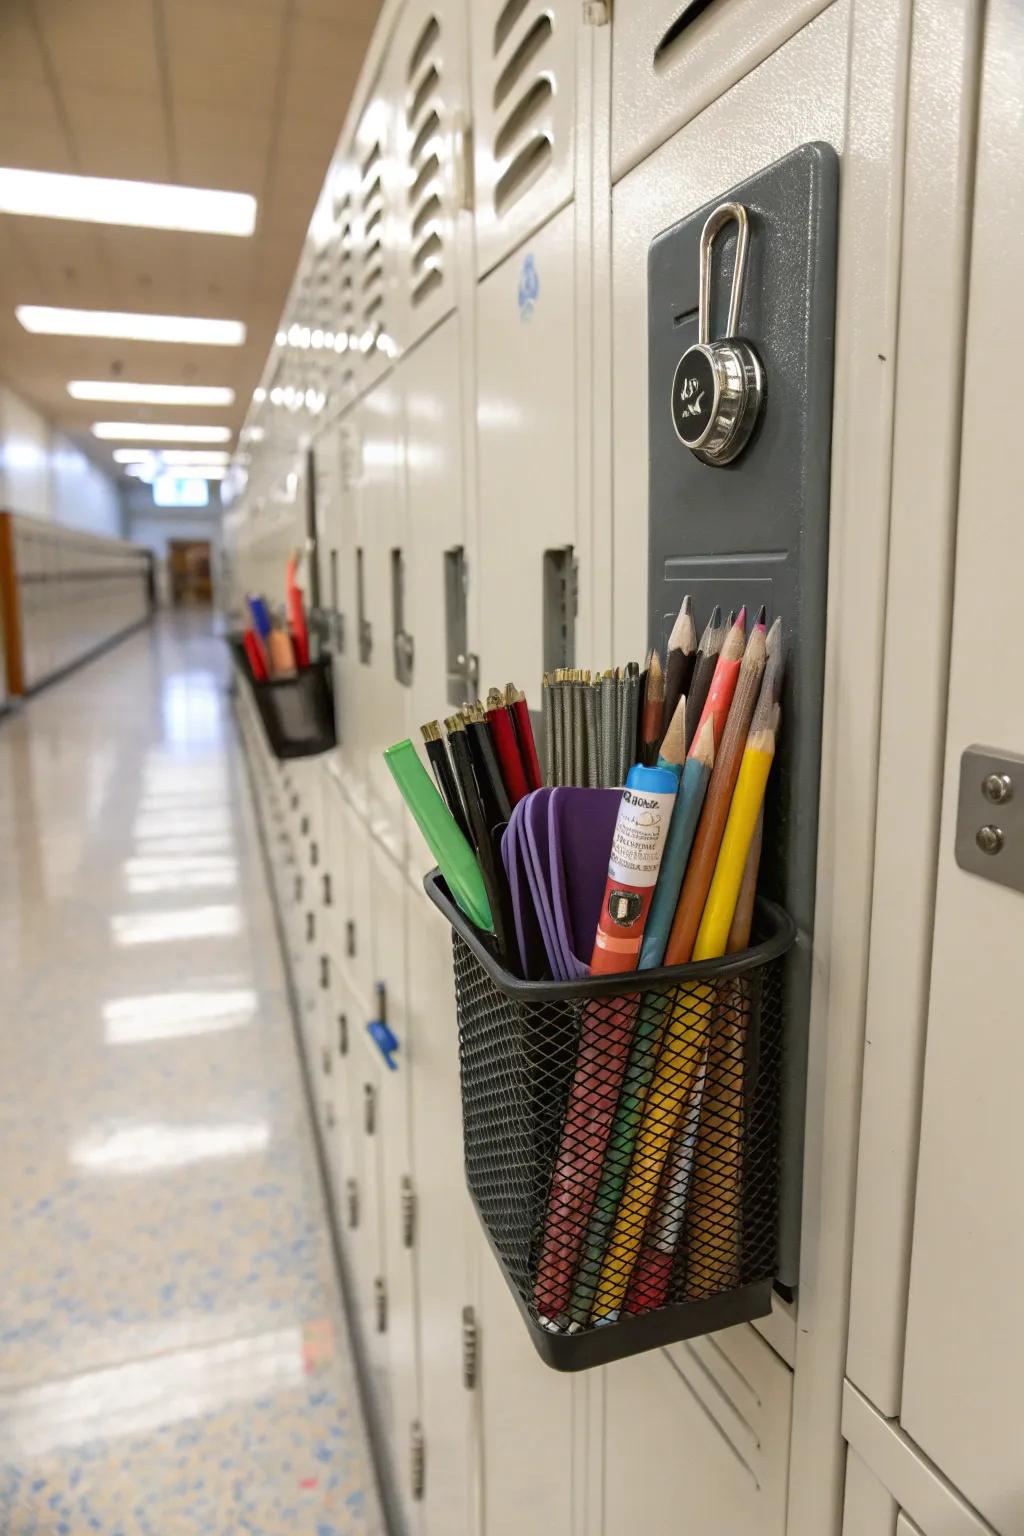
x=224 y=53
x=117 y=134
x=101 y=44
x=21 y=58
x=324 y=58
x=225 y=148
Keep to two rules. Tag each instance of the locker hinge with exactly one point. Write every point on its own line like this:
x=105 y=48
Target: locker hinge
x=352 y=1199
x=408 y=1206
x=310 y=927
x=596 y=13
x=314 y=853
x=342 y=1034
x=380 y=1304
x=325 y=972
x=469 y=1348
x=369 y=1109
x=417 y=1460
x=328 y=896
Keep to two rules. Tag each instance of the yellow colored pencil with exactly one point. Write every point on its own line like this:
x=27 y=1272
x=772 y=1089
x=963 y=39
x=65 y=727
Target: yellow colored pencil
x=747 y=799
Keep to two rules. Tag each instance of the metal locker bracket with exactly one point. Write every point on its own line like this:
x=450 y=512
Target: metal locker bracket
x=990 y=816
x=560 y=595
x=364 y=628
x=380 y=1304
x=402 y=644
x=756 y=529
x=417 y=1460
x=408 y=1212
x=460 y=665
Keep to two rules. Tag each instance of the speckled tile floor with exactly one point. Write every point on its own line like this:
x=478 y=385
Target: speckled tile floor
x=172 y=1353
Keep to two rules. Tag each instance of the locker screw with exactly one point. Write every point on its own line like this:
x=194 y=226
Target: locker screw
x=989 y=839
x=998 y=787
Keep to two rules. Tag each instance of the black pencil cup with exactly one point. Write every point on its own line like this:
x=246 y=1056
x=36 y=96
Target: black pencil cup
x=621 y=1140
x=297 y=711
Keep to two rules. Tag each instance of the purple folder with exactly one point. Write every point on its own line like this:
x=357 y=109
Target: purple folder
x=581 y=825
x=529 y=938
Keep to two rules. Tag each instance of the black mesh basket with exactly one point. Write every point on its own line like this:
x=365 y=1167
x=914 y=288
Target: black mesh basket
x=621 y=1140
x=297 y=711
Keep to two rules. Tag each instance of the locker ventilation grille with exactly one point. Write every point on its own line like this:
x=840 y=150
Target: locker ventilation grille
x=424 y=177
x=674 y=33
x=368 y=297
x=523 y=98
x=344 y=296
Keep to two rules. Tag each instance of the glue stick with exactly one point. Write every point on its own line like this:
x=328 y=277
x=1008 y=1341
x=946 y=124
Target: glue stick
x=640 y=831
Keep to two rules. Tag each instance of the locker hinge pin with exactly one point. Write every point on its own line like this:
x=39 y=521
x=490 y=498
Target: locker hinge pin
x=380 y=1304
x=408 y=1203
x=469 y=1348
x=417 y=1459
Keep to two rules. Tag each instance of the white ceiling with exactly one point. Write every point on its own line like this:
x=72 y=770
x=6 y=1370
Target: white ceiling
x=242 y=95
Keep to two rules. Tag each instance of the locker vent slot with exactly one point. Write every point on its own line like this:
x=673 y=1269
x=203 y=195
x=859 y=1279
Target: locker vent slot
x=424 y=171
x=522 y=114
x=526 y=52
x=524 y=170
x=719 y=1408
x=510 y=14
x=344 y=304
x=672 y=36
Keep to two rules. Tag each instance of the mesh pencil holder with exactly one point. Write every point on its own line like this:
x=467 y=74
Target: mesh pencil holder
x=621 y=1140
x=297 y=711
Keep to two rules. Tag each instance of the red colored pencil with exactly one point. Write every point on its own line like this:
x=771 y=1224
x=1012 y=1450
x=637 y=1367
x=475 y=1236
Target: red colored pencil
x=257 y=660
x=507 y=747
x=723 y=682
x=516 y=701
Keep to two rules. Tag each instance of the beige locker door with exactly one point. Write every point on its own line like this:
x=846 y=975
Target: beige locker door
x=429 y=84
x=526 y=1422
x=375 y=281
x=964 y=1359
x=672 y=58
x=697 y=1439
x=523 y=67
x=869 y=1509
x=355 y=958
x=382 y=529
x=442 y=1230
x=389 y=894
x=525 y=432
x=436 y=523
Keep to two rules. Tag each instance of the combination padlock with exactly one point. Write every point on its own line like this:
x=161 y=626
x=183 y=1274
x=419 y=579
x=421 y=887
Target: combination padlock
x=718 y=386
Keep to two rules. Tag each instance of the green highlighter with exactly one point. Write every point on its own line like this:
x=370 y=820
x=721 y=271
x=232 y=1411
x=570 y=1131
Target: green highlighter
x=455 y=858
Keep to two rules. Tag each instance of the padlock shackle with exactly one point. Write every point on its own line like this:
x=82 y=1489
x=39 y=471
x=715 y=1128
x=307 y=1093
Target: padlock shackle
x=725 y=213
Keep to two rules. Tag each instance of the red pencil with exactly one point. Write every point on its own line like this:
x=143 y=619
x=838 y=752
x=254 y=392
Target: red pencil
x=509 y=761
x=254 y=651
x=516 y=702
x=723 y=682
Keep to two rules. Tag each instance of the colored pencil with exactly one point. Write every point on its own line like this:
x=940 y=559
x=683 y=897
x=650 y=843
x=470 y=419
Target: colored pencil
x=548 y=716
x=696 y=776
x=704 y=668
x=755 y=676
x=579 y=752
x=256 y=654
x=680 y=659
x=506 y=747
x=556 y=768
x=723 y=682
x=739 y=932
x=744 y=810
x=516 y=701
x=652 y=718
x=444 y=776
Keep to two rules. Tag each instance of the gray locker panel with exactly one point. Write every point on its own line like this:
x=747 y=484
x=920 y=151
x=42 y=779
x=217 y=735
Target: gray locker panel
x=756 y=530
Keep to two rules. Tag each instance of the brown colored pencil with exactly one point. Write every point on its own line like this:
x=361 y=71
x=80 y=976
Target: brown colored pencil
x=759 y=678
x=654 y=709
x=680 y=658
x=704 y=670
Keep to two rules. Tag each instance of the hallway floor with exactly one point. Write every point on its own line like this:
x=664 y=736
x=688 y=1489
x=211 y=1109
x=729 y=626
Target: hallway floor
x=173 y=1357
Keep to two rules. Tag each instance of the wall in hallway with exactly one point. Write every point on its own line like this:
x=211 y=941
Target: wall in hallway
x=155 y=528
x=43 y=473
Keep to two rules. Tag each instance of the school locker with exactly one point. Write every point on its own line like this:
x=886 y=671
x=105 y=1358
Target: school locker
x=440 y=546
x=869 y=1509
x=442 y=1231
x=427 y=81
x=712 y=1415
x=338 y=452
x=526 y=460
x=523 y=68
x=964 y=1355
x=376 y=189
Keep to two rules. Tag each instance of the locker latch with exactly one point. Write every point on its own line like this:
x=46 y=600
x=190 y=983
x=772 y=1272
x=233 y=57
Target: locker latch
x=718 y=386
x=469 y=1348
x=417 y=1460
x=990 y=816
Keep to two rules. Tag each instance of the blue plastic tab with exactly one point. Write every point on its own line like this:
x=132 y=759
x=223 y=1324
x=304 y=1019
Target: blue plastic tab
x=385 y=1040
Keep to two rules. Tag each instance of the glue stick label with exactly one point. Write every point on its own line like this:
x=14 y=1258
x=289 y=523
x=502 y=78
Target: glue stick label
x=639 y=840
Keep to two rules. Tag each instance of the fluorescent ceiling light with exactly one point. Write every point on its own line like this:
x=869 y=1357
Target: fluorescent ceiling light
x=142 y=204
x=171 y=455
x=158 y=432
x=150 y=394
x=117 y=325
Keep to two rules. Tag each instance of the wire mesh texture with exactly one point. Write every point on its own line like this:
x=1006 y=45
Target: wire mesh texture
x=297 y=711
x=621 y=1140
